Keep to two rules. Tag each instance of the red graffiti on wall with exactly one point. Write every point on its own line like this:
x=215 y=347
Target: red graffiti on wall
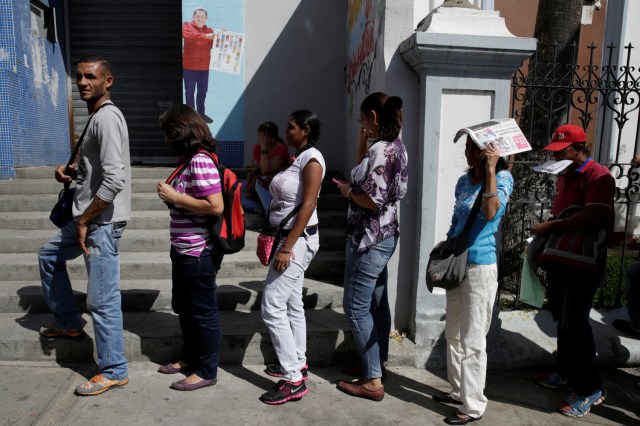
x=364 y=49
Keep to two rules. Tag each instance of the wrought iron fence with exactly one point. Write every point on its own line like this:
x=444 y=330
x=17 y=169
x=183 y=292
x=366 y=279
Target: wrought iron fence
x=604 y=98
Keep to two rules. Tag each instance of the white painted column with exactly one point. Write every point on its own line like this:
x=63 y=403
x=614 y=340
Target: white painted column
x=621 y=30
x=464 y=59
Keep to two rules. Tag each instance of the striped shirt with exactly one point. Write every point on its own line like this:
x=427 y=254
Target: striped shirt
x=187 y=232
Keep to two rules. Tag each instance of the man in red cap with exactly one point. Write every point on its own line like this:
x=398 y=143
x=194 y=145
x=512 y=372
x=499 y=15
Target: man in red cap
x=571 y=290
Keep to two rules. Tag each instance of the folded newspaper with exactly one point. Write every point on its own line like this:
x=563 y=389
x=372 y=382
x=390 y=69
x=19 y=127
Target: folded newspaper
x=505 y=134
x=552 y=166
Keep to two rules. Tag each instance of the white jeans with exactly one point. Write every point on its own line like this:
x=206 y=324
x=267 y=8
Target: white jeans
x=469 y=309
x=283 y=310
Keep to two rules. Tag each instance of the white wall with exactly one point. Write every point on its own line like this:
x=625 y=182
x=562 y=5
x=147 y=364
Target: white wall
x=400 y=80
x=621 y=29
x=470 y=107
x=295 y=59
x=390 y=74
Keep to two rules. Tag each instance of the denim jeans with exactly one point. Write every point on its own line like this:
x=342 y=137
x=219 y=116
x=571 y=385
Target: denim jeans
x=366 y=304
x=103 y=290
x=283 y=309
x=571 y=293
x=265 y=197
x=469 y=309
x=194 y=300
x=249 y=203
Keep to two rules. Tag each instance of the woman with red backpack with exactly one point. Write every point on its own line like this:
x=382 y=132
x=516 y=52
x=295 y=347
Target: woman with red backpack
x=194 y=194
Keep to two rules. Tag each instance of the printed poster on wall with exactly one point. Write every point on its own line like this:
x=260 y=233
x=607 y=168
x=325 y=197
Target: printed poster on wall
x=226 y=54
x=213 y=44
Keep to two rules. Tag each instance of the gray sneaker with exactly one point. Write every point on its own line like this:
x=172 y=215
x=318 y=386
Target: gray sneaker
x=99 y=384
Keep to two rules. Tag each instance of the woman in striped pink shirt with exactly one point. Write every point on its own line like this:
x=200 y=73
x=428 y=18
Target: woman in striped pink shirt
x=194 y=194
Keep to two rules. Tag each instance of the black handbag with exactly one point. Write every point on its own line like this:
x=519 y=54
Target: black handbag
x=447 y=264
x=61 y=213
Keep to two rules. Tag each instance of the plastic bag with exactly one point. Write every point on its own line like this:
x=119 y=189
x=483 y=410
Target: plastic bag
x=531 y=289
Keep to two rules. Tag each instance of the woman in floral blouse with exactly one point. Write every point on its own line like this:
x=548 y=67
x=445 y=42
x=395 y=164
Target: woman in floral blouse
x=379 y=181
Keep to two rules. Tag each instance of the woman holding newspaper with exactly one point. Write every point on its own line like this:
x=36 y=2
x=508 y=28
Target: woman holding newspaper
x=469 y=306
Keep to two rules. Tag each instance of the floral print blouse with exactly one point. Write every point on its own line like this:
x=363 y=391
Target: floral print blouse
x=382 y=174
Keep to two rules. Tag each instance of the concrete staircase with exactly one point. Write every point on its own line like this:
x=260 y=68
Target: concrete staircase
x=152 y=331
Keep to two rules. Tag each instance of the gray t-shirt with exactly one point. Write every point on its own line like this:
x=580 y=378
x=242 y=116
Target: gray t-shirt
x=104 y=166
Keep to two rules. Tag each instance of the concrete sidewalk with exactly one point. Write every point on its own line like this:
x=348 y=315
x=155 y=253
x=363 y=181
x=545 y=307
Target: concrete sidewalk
x=42 y=394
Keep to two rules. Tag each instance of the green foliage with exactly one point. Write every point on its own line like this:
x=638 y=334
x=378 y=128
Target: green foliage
x=615 y=284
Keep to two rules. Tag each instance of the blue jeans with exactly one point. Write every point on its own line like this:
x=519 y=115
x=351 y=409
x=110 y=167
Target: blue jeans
x=194 y=300
x=249 y=203
x=265 y=197
x=103 y=290
x=193 y=79
x=366 y=304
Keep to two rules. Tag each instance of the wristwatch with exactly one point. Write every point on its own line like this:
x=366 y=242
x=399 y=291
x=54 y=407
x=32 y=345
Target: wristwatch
x=264 y=151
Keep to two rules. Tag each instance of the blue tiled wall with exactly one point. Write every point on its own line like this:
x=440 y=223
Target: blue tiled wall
x=34 y=117
x=231 y=153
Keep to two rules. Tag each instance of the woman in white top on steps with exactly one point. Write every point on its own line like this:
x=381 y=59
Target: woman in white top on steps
x=282 y=306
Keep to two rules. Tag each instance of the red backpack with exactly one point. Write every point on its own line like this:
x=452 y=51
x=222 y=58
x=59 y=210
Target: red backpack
x=227 y=230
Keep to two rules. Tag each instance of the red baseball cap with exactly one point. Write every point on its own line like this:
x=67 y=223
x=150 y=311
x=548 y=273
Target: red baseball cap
x=564 y=136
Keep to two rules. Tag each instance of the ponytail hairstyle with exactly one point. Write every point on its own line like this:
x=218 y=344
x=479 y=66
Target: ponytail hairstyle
x=185 y=131
x=305 y=118
x=389 y=112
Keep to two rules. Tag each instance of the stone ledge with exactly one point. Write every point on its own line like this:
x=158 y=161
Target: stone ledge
x=520 y=339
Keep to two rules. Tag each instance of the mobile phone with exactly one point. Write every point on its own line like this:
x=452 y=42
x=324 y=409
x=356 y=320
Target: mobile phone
x=337 y=181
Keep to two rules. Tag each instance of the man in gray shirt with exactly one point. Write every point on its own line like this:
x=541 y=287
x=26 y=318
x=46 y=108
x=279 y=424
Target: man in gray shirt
x=101 y=207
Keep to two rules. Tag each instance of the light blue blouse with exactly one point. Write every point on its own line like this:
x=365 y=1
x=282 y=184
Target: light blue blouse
x=482 y=249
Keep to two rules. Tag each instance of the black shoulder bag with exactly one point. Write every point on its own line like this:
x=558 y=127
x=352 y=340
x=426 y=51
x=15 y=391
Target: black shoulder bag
x=448 y=260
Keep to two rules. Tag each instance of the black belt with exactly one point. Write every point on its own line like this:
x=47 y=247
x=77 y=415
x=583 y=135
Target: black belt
x=116 y=225
x=308 y=231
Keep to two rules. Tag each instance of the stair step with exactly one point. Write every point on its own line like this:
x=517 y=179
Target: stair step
x=140 y=219
x=148 y=219
x=157 y=265
x=139 y=172
x=50 y=186
x=239 y=294
x=44 y=201
x=141 y=240
x=151 y=329
x=156 y=337
x=47 y=172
